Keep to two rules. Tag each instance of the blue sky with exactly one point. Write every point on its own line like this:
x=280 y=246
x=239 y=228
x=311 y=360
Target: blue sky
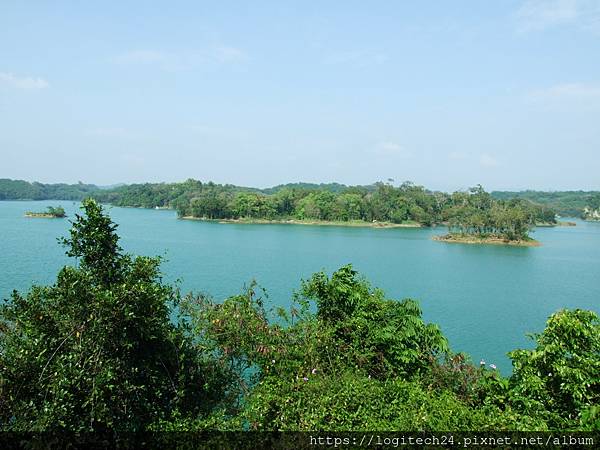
x=446 y=94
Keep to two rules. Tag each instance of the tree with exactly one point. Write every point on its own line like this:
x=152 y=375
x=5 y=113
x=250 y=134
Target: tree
x=56 y=211
x=98 y=349
x=559 y=378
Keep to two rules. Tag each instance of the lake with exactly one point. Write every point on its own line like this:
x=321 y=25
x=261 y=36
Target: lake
x=485 y=298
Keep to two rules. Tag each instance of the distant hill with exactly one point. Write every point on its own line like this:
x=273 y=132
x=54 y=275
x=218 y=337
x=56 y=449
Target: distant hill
x=113 y=186
x=331 y=187
x=565 y=203
x=24 y=190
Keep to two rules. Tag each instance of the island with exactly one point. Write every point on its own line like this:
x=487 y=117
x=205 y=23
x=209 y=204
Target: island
x=485 y=239
x=477 y=218
x=52 y=212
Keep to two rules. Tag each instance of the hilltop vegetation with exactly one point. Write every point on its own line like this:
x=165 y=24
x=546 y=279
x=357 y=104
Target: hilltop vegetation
x=110 y=346
x=565 y=203
x=23 y=190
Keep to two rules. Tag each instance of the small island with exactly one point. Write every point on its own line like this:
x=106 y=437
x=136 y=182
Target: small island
x=485 y=239
x=476 y=218
x=52 y=212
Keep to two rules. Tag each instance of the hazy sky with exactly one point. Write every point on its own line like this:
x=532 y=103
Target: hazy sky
x=446 y=94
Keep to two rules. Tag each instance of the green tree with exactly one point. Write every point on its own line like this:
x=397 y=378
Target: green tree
x=349 y=206
x=560 y=377
x=98 y=349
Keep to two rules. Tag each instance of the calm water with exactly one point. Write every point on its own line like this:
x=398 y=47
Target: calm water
x=485 y=298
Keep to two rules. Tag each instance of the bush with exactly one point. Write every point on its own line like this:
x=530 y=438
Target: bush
x=560 y=378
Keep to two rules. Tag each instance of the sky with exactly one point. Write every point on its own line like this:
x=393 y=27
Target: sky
x=444 y=94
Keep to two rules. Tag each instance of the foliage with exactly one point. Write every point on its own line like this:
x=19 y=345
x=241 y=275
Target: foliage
x=352 y=402
x=98 y=350
x=23 y=190
x=565 y=203
x=56 y=211
x=560 y=378
x=382 y=337
x=338 y=361
x=594 y=201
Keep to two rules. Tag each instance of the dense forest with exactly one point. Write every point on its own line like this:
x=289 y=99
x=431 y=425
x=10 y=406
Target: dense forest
x=110 y=346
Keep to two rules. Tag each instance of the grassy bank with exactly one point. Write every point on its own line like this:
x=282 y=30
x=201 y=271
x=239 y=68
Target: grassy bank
x=489 y=240
x=350 y=223
x=557 y=224
x=42 y=215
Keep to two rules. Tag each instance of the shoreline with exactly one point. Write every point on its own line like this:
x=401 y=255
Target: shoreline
x=557 y=224
x=357 y=224
x=43 y=216
x=471 y=240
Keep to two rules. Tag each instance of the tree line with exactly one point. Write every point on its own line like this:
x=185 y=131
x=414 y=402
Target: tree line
x=24 y=190
x=471 y=212
x=150 y=195
x=565 y=203
x=109 y=346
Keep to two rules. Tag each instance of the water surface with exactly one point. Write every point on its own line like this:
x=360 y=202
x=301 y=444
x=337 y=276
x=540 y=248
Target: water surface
x=485 y=298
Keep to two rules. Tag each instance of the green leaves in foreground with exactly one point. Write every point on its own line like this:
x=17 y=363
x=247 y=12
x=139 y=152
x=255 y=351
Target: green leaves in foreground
x=97 y=350
x=560 y=378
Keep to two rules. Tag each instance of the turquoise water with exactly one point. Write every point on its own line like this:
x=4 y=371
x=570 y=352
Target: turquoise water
x=485 y=298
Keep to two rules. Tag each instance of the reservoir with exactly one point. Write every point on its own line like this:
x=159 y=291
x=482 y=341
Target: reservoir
x=485 y=298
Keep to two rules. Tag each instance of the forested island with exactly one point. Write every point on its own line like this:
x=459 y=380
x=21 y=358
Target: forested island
x=110 y=346
x=472 y=216
x=52 y=212
x=472 y=213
